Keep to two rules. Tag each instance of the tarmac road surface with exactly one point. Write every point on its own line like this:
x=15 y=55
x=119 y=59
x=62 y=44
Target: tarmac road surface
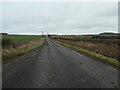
x=55 y=66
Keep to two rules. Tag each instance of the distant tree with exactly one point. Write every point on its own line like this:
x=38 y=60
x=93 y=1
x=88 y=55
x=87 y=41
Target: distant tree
x=48 y=35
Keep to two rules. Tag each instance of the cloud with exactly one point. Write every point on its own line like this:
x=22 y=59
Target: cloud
x=61 y=18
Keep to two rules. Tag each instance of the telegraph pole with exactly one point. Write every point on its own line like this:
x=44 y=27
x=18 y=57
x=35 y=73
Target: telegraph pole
x=42 y=33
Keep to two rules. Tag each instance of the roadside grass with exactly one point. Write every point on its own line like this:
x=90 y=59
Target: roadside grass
x=19 y=51
x=109 y=50
x=108 y=60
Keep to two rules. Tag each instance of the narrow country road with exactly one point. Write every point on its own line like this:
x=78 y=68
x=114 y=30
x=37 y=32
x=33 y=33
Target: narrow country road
x=55 y=66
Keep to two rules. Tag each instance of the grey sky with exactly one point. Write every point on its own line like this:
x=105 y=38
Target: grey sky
x=60 y=18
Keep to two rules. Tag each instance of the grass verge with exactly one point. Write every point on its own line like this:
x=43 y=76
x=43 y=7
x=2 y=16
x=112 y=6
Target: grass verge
x=108 y=60
x=13 y=53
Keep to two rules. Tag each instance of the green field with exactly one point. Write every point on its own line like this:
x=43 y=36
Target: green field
x=19 y=44
x=21 y=38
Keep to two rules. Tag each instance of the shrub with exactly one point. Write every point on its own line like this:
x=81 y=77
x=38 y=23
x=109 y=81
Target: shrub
x=6 y=43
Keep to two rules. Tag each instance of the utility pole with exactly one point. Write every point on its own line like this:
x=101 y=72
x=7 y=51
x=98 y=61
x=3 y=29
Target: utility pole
x=42 y=34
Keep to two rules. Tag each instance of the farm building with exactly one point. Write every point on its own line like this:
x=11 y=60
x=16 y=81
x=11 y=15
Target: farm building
x=107 y=36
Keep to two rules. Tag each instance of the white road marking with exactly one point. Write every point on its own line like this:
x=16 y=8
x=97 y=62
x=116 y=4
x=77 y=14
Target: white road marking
x=76 y=53
x=111 y=68
x=107 y=66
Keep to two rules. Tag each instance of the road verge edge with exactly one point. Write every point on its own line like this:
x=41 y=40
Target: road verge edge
x=108 y=60
x=20 y=51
